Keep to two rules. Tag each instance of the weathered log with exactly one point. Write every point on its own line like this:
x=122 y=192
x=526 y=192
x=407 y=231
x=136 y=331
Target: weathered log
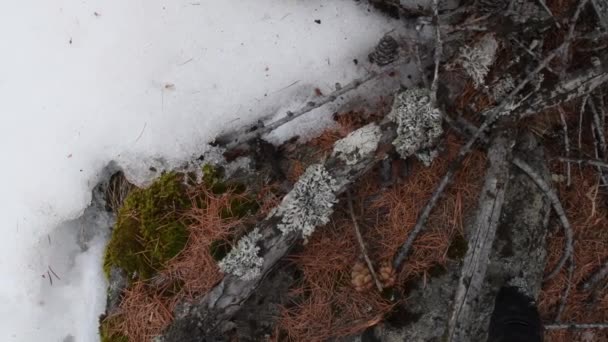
x=517 y=258
x=204 y=320
x=481 y=238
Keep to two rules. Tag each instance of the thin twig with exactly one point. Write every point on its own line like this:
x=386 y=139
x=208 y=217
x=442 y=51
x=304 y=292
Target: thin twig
x=564 y=298
x=491 y=116
x=593 y=162
x=559 y=326
x=559 y=210
x=600 y=274
x=368 y=261
x=580 y=123
x=599 y=127
x=562 y=117
x=306 y=109
x=543 y=4
x=438 y=52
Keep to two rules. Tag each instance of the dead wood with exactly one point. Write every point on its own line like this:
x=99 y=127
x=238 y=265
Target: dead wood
x=208 y=317
x=481 y=238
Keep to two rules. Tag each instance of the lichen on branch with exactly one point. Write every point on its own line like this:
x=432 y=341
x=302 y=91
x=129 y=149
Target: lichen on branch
x=310 y=203
x=358 y=144
x=419 y=124
x=243 y=260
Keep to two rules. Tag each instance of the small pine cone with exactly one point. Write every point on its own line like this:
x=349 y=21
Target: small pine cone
x=361 y=278
x=386 y=51
x=387 y=275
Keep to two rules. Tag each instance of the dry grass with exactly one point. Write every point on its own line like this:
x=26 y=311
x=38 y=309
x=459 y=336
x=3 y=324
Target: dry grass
x=325 y=303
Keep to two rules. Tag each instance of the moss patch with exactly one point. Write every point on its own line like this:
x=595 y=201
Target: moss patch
x=150 y=229
x=108 y=332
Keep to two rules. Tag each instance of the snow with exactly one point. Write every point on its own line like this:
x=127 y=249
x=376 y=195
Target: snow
x=144 y=83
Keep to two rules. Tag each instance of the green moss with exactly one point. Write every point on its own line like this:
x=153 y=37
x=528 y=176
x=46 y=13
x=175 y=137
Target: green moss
x=458 y=247
x=149 y=229
x=108 y=333
x=212 y=178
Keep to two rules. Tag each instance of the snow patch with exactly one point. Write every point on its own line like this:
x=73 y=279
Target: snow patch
x=243 y=260
x=358 y=144
x=418 y=124
x=310 y=203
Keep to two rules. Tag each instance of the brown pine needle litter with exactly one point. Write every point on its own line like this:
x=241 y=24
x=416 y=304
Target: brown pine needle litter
x=147 y=307
x=326 y=303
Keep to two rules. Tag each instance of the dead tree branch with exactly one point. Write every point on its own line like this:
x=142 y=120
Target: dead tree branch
x=600 y=274
x=559 y=210
x=368 y=261
x=438 y=52
x=573 y=326
x=230 y=141
x=476 y=260
x=205 y=318
x=593 y=162
x=564 y=298
x=562 y=117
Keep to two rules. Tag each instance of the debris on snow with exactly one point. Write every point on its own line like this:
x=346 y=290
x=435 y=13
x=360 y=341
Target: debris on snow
x=419 y=124
x=358 y=144
x=243 y=260
x=310 y=203
x=386 y=52
x=477 y=60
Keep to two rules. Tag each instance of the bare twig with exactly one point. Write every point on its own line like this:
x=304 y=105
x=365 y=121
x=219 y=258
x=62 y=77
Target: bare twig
x=491 y=116
x=559 y=210
x=543 y=4
x=580 y=123
x=438 y=52
x=558 y=326
x=368 y=261
x=564 y=298
x=600 y=274
x=599 y=127
x=292 y=115
x=593 y=162
x=562 y=117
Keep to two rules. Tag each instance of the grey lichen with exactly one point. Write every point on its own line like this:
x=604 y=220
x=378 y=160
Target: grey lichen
x=243 y=260
x=477 y=60
x=310 y=203
x=358 y=144
x=419 y=124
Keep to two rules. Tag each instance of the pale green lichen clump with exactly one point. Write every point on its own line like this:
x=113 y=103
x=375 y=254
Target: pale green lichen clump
x=358 y=144
x=418 y=124
x=310 y=203
x=243 y=260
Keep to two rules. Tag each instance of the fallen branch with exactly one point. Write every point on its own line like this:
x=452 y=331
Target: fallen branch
x=481 y=240
x=230 y=141
x=438 y=52
x=206 y=318
x=599 y=275
x=368 y=261
x=559 y=210
x=562 y=117
x=564 y=298
x=592 y=162
x=572 y=326
x=580 y=123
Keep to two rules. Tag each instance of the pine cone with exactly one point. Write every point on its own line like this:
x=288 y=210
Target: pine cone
x=387 y=275
x=386 y=51
x=361 y=278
